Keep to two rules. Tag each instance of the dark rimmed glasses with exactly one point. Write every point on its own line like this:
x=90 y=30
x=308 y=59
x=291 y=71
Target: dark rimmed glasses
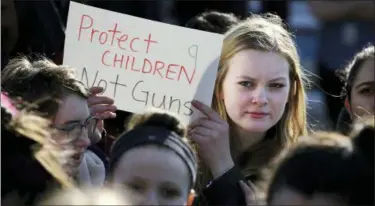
x=74 y=129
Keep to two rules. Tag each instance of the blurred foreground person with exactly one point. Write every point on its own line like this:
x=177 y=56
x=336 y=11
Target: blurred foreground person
x=88 y=196
x=154 y=160
x=328 y=169
x=30 y=161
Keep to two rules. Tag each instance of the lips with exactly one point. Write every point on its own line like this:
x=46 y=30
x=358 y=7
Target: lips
x=257 y=115
x=77 y=158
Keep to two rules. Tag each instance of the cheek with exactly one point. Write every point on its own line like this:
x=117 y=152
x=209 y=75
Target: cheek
x=234 y=101
x=277 y=102
x=278 y=99
x=362 y=105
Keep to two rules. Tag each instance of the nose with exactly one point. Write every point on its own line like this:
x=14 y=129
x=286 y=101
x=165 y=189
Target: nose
x=83 y=141
x=260 y=96
x=151 y=198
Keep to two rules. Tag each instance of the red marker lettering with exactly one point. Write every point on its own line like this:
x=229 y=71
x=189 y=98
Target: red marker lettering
x=116 y=59
x=83 y=18
x=103 y=56
x=114 y=32
x=148 y=42
x=101 y=38
x=148 y=62
x=183 y=70
x=157 y=67
x=131 y=44
x=123 y=38
x=170 y=70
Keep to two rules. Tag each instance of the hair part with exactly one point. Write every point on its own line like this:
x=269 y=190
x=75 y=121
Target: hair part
x=159 y=118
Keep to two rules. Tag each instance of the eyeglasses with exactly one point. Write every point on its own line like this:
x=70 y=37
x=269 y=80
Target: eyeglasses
x=74 y=130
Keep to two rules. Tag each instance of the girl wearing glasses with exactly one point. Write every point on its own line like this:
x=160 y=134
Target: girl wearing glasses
x=65 y=101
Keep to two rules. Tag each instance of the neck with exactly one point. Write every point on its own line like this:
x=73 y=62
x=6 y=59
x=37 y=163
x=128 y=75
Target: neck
x=247 y=139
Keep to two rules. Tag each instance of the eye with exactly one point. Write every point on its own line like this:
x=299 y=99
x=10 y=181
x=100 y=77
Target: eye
x=136 y=187
x=366 y=91
x=170 y=192
x=246 y=83
x=277 y=85
x=71 y=127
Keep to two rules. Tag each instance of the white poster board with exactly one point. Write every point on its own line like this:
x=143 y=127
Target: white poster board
x=142 y=63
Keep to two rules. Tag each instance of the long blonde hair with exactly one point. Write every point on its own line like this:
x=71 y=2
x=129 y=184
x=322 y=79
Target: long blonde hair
x=263 y=33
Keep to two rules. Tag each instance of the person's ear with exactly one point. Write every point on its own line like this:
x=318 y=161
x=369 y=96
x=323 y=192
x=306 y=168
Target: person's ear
x=347 y=105
x=191 y=198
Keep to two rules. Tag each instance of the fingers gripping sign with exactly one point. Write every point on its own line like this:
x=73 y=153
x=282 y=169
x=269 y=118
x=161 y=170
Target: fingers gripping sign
x=211 y=133
x=102 y=107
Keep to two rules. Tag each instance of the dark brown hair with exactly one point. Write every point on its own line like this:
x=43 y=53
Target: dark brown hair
x=40 y=81
x=330 y=163
x=213 y=21
x=349 y=74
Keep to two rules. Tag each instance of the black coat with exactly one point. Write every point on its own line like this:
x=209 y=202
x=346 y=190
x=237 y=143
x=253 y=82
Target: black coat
x=225 y=190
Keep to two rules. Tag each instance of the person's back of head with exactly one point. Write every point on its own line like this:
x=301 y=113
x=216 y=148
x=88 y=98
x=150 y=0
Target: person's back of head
x=213 y=21
x=327 y=168
x=40 y=80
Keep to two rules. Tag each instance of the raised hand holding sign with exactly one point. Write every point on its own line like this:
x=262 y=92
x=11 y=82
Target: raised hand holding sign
x=142 y=63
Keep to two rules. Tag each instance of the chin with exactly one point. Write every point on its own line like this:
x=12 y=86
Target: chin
x=259 y=127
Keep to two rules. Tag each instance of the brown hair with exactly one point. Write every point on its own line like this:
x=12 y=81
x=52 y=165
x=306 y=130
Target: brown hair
x=157 y=117
x=213 y=21
x=263 y=33
x=349 y=74
x=41 y=82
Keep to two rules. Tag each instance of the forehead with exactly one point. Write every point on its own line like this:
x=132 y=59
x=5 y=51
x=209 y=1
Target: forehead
x=366 y=72
x=72 y=108
x=154 y=164
x=258 y=64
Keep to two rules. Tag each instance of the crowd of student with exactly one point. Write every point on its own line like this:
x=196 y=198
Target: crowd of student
x=253 y=147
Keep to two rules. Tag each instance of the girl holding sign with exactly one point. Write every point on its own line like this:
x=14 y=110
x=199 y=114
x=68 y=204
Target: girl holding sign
x=258 y=109
x=154 y=160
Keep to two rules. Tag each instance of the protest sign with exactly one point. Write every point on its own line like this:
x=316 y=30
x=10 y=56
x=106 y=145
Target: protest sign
x=142 y=63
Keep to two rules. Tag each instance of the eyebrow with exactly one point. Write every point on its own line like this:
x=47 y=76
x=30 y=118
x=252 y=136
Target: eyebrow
x=368 y=83
x=250 y=78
